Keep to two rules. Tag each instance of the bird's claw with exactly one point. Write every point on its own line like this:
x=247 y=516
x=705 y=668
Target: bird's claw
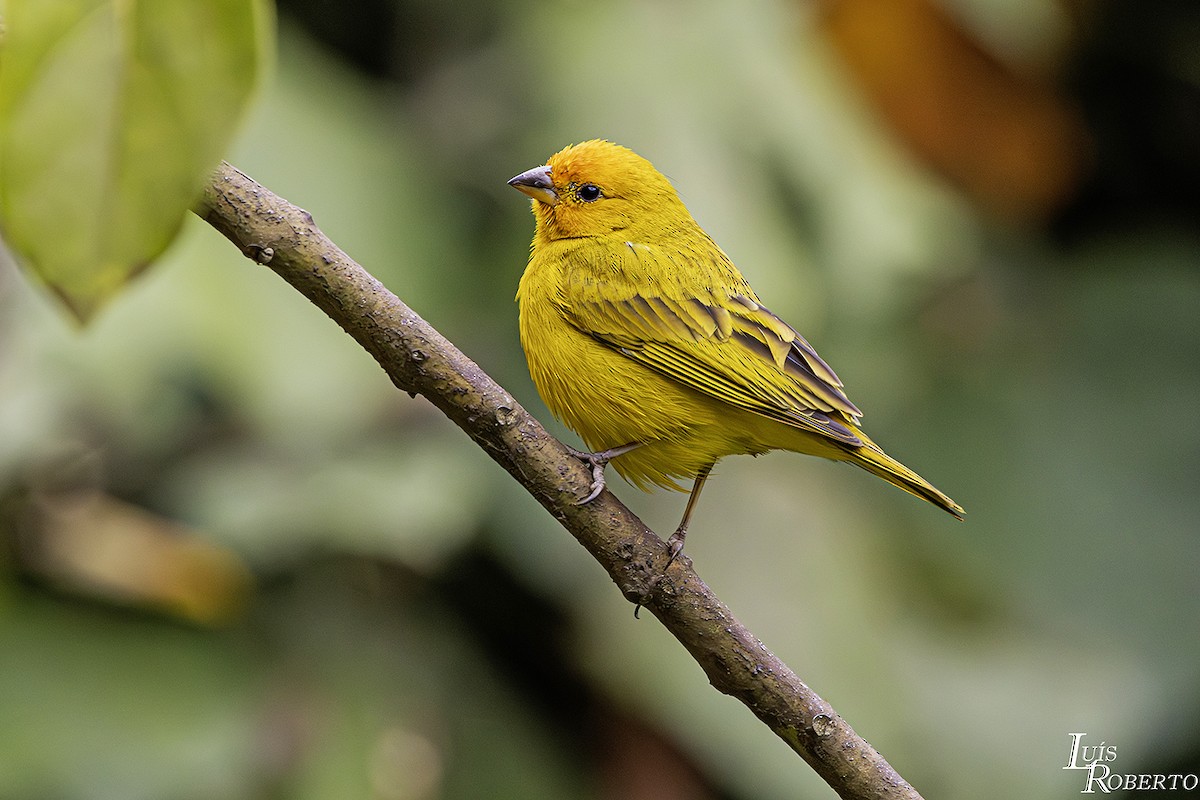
x=675 y=546
x=598 y=461
x=597 y=484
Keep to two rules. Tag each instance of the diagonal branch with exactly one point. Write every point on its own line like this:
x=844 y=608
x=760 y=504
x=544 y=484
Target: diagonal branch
x=271 y=231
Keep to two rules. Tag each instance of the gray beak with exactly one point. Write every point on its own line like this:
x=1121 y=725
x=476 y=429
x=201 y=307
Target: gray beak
x=537 y=184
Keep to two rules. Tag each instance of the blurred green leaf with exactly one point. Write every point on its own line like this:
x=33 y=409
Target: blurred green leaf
x=111 y=114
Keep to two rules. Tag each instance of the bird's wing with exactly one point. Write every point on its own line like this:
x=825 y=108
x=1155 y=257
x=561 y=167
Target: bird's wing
x=729 y=347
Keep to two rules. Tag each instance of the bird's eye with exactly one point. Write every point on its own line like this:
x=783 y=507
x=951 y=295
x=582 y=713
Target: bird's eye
x=588 y=192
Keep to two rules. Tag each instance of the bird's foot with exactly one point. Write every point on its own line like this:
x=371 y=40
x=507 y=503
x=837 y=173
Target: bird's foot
x=675 y=545
x=674 y=548
x=598 y=461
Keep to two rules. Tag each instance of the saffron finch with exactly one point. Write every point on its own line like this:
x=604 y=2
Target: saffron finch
x=642 y=336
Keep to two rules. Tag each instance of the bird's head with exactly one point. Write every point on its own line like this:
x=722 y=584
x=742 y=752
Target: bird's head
x=597 y=188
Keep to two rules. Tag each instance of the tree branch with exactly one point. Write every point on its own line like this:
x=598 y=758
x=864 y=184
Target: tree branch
x=419 y=360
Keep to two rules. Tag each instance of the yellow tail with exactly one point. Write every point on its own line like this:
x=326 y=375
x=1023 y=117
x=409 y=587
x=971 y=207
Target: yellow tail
x=871 y=458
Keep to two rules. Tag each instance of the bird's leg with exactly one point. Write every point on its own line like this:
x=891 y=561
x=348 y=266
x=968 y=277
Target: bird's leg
x=598 y=461
x=675 y=543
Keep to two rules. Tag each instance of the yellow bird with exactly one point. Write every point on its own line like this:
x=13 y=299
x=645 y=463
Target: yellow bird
x=642 y=336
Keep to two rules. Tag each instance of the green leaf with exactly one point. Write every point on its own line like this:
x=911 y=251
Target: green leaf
x=112 y=113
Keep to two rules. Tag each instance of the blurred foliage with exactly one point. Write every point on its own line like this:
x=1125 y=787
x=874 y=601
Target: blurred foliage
x=111 y=115
x=295 y=582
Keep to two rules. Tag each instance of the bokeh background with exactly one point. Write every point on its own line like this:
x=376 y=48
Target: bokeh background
x=236 y=563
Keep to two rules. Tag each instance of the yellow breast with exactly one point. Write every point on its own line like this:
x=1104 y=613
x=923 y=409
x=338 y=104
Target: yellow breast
x=609 y=399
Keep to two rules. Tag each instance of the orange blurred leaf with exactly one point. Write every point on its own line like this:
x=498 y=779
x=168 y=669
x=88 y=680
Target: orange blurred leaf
x=89 y=543
x=1006 y=139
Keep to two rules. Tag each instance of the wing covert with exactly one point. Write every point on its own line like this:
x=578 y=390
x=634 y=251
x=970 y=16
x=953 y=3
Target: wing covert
x=729 y=347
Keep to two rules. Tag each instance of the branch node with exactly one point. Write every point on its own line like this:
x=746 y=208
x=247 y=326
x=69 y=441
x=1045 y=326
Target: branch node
x=259 y=253
x=506 y=416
